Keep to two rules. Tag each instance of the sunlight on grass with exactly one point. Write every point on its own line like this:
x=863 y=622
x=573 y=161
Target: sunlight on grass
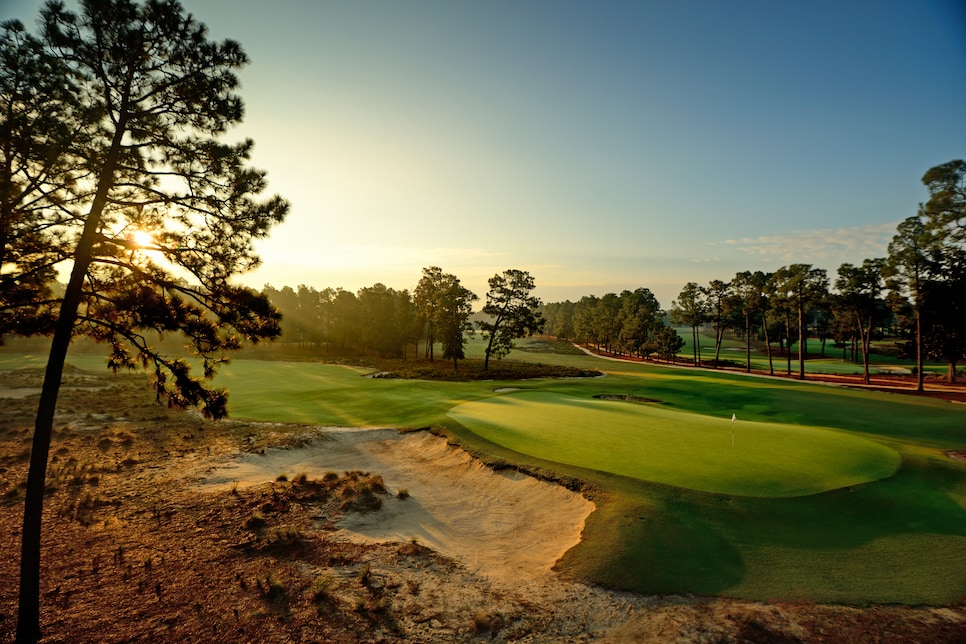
x=651 y=443
x=887 y=540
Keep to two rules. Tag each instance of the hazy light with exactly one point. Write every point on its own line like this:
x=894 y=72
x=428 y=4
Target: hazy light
x=142 y=239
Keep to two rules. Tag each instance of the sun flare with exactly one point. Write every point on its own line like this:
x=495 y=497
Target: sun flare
x=142 y=238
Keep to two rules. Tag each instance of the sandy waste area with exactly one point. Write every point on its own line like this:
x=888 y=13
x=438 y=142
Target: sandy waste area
x=503 y=524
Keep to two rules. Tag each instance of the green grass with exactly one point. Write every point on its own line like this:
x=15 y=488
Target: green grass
x=38 y=360
x=894 y=538
x=323 y=394
x=884 y=542
x=695 y=451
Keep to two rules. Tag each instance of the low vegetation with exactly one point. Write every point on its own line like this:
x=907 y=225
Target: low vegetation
x=470 y=370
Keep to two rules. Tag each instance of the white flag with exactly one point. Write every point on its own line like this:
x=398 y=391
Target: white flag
x=734 y=417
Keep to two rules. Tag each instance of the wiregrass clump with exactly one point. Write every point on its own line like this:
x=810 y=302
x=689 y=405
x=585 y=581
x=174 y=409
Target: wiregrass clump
x=322 y=588
x=362 y=491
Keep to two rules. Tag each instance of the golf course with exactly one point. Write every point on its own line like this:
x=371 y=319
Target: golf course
x=706 y=482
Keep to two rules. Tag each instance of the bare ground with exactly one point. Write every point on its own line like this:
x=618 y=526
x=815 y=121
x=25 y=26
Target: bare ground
x=150 y=538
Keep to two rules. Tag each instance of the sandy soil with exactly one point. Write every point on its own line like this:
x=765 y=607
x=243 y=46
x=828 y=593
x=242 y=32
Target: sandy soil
x=503 y=525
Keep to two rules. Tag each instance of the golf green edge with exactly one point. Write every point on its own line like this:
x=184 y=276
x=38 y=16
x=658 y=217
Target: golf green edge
x=700 y=452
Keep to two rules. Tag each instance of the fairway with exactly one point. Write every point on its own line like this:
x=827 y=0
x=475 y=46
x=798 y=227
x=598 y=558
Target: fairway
x=653 y=443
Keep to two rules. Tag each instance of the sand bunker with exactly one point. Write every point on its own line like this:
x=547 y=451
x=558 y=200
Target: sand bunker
x=503 y=524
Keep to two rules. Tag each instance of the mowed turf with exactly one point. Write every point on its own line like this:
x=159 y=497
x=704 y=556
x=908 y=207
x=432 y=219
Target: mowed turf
x=900 y=538
x=652 y=443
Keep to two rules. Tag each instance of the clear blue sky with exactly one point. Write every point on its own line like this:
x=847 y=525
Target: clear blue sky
x=601 y=146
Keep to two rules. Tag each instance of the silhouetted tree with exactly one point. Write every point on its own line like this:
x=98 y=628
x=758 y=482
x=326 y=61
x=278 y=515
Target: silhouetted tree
x=945 y=218
x=384 y=319
x=512 y=311
x=344 y=319
x=945 y=211
x=37 y=173
x=453 y=318
x=782 y=311
x=427 y=296
x=944 y=315
x=151 y=96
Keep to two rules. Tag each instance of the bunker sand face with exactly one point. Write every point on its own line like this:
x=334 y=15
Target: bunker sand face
x=505 y=525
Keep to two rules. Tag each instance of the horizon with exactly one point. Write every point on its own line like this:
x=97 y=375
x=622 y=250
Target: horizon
x=599 y=148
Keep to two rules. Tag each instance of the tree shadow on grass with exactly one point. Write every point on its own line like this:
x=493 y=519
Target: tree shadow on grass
x=915 y=500
x=892 y=540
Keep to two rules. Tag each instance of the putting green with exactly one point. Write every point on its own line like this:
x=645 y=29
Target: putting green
x=654 y=443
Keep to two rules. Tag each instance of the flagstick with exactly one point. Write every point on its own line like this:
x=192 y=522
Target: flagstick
x=734 y=419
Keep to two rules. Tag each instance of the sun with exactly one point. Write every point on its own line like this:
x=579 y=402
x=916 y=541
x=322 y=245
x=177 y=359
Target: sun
x=142 y=238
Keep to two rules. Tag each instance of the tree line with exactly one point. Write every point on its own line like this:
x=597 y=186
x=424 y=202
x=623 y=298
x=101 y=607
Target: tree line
x=631 y=323
x=917 y=293
x=389 y=323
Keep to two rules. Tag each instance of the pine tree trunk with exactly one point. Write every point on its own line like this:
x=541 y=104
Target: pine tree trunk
x=919 y=384
x=28 y=612
x=28 y=615
x=747 y=343
x=802 y=348
x=764 y=325
x=489 y=347
x=718 y=336
x=788 y=348
x=866 y=348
